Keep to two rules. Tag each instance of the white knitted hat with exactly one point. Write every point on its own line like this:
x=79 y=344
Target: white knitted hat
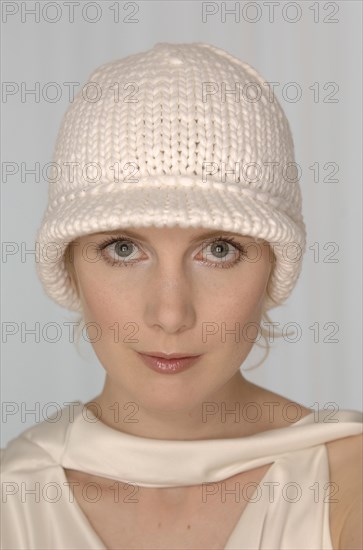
x=200 y=156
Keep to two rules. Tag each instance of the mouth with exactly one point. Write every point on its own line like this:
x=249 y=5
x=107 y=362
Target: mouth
x=162 y=355
x=171 y=364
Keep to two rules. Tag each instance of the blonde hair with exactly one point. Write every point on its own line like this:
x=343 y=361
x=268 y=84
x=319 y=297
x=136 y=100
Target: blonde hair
x=69 y=265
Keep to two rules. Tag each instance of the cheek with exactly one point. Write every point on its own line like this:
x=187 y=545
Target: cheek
x=110 y=301
x=253 y=294
x=241 y=299
x=102 y=303
x=110 y=309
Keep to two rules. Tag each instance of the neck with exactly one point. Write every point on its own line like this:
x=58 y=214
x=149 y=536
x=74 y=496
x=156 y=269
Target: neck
x=238 y=409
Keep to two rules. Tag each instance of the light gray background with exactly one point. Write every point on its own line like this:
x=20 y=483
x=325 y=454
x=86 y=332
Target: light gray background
x=36 y=373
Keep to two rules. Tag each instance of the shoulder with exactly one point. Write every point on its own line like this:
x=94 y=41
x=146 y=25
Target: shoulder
x=39 y=446
x=345 y=457
x=22 y=455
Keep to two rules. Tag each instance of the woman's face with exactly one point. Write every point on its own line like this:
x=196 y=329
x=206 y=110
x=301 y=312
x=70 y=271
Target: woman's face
x=171 y=290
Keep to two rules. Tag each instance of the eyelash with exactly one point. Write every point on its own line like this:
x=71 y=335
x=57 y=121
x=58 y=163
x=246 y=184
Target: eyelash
x=230 y=240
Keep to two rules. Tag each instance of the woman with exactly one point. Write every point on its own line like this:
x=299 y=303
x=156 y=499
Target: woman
x=174 y=224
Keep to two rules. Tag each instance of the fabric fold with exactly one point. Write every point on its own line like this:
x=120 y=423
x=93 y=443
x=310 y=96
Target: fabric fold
x=288 y=511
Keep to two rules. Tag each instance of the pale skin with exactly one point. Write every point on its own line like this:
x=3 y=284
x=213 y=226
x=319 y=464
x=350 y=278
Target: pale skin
x=167 y=294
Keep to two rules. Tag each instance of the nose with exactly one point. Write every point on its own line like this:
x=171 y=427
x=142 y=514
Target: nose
x=169 y=303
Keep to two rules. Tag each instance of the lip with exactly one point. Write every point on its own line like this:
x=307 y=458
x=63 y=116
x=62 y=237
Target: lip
x=173 y=365
x=167 y=355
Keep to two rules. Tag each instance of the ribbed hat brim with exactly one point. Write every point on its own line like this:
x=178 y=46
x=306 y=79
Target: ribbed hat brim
x=166 y=206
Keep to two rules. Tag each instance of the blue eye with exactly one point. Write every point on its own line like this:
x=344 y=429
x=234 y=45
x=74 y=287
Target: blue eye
x=123 y=248
x=123 y=252
x=220 y=250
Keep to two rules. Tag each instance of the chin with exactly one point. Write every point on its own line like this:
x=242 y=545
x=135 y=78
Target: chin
x=170 y=400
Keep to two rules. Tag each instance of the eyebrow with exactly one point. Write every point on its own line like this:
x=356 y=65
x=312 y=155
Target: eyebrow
x=193 y=240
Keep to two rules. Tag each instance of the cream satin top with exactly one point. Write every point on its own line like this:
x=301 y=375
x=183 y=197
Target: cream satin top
x=287 y=510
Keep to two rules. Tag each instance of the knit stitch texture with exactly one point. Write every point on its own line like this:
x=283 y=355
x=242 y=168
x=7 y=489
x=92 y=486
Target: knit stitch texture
x=181 y=134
